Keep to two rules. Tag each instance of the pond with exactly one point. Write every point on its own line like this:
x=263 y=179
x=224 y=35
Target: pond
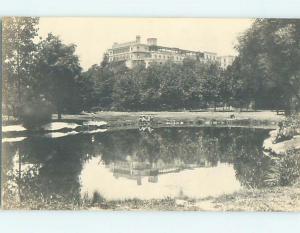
x=178 y=162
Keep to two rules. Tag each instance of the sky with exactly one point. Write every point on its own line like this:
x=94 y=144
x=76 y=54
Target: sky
x=93 y=36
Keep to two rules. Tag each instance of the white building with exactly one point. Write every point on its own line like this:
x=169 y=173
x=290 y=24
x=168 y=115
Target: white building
x=225 y=61
x=135 y=52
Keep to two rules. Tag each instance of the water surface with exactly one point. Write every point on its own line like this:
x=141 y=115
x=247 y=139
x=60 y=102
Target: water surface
x=166 y=162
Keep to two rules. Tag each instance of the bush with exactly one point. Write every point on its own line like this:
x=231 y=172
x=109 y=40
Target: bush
x=290 y=168
x=284 y=170
x=36 y=113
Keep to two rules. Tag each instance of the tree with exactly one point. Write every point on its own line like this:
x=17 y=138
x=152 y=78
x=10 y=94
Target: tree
x=87 y=90
x=126 y=90
x=18 y=55
x=97 y=84
x=57 y=69
x=171 y=86
x=237 y=89
x=191 y=84
x=150 y=94
x=191 y=76
x=211 y=84
x=269 y=55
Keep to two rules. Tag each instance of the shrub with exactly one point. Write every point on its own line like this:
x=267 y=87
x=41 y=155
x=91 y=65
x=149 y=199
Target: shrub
x=284 y=170
x=36 y=113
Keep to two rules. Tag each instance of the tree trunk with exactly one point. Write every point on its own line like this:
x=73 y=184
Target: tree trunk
x=59 y=110
x=287 y=112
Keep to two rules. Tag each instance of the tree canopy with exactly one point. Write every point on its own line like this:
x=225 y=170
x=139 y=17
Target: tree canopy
x=157 y=87
x=57 y=70
x=19 y=51
x=268 y=65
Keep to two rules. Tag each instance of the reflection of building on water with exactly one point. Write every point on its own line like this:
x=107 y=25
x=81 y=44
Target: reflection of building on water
x=137 y=170
x=134 y=170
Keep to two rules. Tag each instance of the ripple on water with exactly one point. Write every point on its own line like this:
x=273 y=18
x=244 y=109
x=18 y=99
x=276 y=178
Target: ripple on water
x=13 y=128
x=60 y=134
x=95 y=123
x=15 y=139
x=53 y=126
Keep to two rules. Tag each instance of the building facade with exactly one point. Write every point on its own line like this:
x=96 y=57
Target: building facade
x=136 y=52
x=225 y=61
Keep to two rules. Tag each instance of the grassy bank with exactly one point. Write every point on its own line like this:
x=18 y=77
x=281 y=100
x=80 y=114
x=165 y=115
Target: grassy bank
x=270 y=199
x=265 y=119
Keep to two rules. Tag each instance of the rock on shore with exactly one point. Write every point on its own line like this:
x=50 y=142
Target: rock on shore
x=280 y=148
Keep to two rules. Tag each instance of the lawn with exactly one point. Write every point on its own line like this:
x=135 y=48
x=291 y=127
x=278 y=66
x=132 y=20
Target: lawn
x=118 y=119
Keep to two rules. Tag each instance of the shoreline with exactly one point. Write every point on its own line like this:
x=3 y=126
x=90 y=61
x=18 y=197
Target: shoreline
x=260 y=119
x=114 y=121
x=284 y=198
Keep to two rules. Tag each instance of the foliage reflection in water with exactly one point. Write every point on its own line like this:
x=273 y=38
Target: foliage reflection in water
x=166 y=162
